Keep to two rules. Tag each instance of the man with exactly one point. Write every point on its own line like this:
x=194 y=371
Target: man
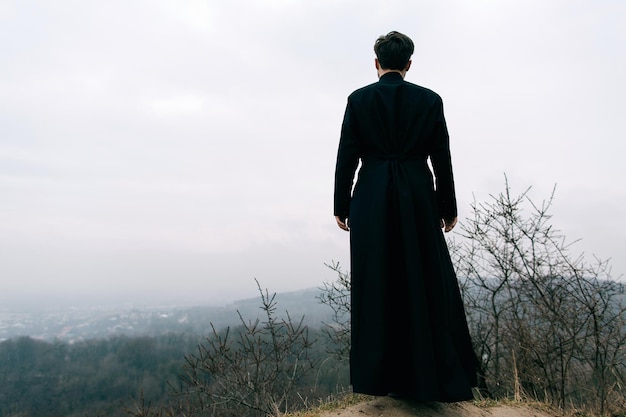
x=409 y=335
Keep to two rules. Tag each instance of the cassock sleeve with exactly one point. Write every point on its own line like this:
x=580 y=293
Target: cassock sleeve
x=347 y=162
x=442 y=166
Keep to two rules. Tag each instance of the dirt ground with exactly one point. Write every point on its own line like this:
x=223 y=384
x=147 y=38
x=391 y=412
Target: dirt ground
x=390 y=407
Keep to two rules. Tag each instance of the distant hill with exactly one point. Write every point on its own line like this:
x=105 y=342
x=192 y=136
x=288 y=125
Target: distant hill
x=74 y=324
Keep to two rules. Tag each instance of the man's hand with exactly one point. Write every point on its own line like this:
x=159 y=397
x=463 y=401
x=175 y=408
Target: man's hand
x=448 y=225
x=343 y=225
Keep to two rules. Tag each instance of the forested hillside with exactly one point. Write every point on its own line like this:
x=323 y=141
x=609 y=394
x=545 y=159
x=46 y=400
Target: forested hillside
x=109 y=377
x=143 y=359
x=94 y=377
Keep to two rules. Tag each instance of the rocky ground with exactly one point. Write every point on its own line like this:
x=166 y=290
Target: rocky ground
x=390 y=407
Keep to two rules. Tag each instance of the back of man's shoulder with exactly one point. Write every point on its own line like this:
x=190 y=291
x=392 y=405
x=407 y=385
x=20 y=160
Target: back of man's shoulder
x=414 y=88
x=363 y=90
x=427 y=92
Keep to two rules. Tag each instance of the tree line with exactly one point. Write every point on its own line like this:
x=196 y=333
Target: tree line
x=259 y=366
x=95 y=377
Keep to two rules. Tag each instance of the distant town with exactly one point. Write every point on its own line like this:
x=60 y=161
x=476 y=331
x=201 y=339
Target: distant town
x=77 y=324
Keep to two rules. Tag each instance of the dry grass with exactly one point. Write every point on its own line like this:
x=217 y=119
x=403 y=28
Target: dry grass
x=348 y=400
x=330 y=404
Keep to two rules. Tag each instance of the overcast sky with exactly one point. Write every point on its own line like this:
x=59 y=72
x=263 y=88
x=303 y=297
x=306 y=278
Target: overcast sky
x=179 y=149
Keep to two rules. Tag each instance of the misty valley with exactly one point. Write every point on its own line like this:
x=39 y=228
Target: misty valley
x=108 y=362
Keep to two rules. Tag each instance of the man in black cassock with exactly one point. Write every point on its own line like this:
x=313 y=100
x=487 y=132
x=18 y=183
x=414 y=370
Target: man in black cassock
x=409 y=332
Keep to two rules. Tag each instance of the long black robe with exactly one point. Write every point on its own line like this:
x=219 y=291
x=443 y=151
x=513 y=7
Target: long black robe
x=409 y=332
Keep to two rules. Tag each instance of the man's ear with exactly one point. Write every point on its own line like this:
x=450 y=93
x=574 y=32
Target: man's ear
x=376 y=63
x=408 y=65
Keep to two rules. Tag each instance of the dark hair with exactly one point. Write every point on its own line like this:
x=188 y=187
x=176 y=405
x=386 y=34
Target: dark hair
x=393 y=50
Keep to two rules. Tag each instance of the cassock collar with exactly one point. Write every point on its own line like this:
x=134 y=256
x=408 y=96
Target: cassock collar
x=391 y=77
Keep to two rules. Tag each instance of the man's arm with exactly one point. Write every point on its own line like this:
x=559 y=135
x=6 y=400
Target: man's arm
x=347 y=162
x=442 y=167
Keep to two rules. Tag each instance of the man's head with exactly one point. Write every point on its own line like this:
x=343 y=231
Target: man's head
x=393 y=51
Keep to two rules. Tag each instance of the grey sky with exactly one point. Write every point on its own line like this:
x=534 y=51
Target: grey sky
x=180 y=149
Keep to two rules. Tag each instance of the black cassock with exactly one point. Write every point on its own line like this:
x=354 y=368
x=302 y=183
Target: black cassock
x=409 y=332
